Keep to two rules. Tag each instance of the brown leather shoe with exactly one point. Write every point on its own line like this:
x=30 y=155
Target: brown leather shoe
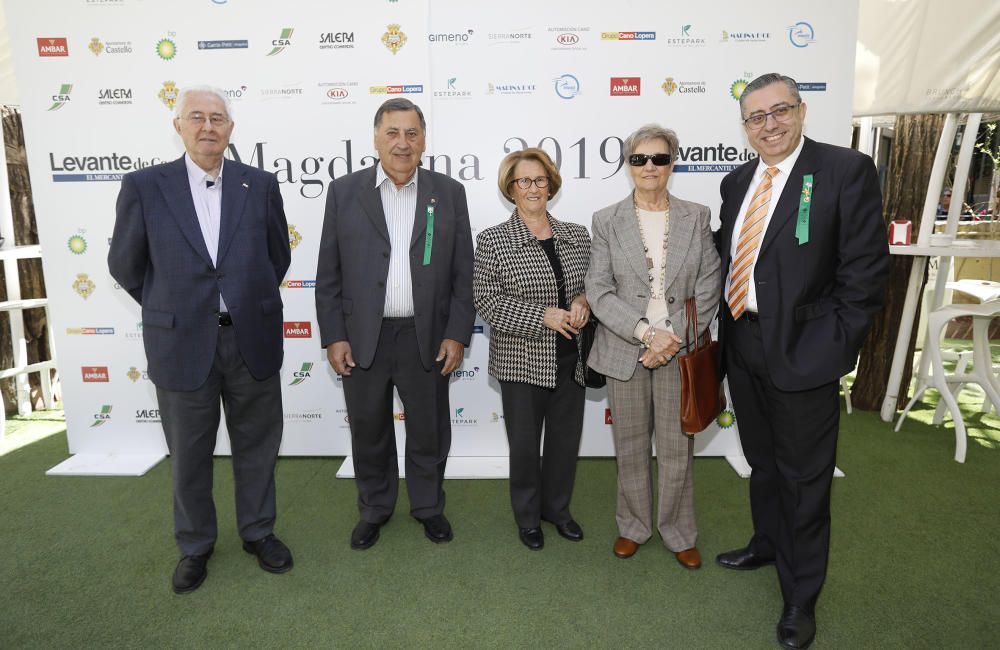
x=689 y=559
x=625 y=548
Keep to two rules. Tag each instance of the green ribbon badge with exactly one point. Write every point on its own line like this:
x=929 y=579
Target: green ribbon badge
x=429 y=237
x=805 y=201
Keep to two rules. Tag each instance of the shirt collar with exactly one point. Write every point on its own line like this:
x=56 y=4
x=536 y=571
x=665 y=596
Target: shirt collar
x=198 y=176
x=785 y=166
x=381 y=177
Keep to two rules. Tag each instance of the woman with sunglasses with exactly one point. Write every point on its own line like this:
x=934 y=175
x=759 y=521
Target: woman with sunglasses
x=528 y=285
x=651 y=252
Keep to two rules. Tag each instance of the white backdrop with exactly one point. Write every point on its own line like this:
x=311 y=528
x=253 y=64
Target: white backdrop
x=95 y=78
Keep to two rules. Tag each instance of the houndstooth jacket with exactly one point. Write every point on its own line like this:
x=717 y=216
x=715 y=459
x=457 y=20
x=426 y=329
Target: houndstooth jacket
x=513 y=283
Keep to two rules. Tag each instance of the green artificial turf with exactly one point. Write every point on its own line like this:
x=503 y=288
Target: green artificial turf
x=915 y=561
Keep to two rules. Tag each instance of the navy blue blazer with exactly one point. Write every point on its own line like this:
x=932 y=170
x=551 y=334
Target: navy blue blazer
x=816 y=300
x=159 y=256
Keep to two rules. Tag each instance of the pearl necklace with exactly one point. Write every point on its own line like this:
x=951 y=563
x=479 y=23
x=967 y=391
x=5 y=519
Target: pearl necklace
x=645 y=248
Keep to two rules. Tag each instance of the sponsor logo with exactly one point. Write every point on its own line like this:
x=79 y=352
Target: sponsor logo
x=718 y=158
x=495 y=417
x=339 y=92
x=110 y=47
x=103 y=416
x=168 y=94
x=135 y=375
x=394 y=38
x=147 y=416
x=399 y=416
x=801 y=34
x=499 y=38
x=294 y=238
x=336 y=40
x=280 y=93
x=90 y=331
x=109 y=167
x=725 y=419
x=671 y=86
x=744 y=37
x=812 y=86
x=304 y=416
x=510 y=89
x=114 y=96
x=452 y=91
x=463 y=419
x=298 y=329
x=224 y=44
x=466 y=374
x=398 y=89
x=236 y=93
x=456 y=38
x=60 y=98
x=166 y=49
x=77 y=245
x=628 y=36
x=737 y=87
x=686 y=38
x=83 y=285
x=568 y=38
x=607 y=416
x=137 y=334
x=477 y=329
x=298 y=284
x=279 y=44
x=301 y=374
x=95 y=374
x=52 y=47
x=567 y=86
x=625 y=86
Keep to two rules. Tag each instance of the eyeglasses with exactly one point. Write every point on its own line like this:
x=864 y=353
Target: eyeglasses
x=640 y=159
x=524 y=183
x=198 y=119
x=782 y=113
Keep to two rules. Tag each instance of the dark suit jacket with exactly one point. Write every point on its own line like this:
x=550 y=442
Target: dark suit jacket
x=158 y=255
x=354 y=265
x=816 y=301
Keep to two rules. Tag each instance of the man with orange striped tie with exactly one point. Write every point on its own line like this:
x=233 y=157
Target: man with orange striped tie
x=806 y=258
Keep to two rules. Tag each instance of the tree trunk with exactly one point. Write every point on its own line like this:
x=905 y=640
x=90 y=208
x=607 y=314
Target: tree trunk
x=913 y=150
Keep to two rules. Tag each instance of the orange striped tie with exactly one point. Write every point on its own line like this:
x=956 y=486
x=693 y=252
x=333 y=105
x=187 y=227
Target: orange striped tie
x=751 y=235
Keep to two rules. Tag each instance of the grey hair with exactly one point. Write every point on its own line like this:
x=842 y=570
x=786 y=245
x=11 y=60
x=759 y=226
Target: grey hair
x=768 y=79
x=651 y=132
x=212 y=90
x=399 y=104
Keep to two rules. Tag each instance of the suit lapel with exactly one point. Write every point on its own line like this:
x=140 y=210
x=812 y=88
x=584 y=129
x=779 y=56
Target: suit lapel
x=173 y=182
x=627 y=230
x=370 y=199
x=788 y=203
x=678 y=239
x=425 y=197
x=235 y=187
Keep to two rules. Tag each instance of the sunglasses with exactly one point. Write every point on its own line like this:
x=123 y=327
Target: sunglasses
x=640 y=159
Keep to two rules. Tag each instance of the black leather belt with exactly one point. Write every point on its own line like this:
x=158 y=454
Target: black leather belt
x=225 y=320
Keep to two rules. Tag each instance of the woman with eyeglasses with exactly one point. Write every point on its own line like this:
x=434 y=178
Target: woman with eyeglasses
x=528 y=285
x=651 y=252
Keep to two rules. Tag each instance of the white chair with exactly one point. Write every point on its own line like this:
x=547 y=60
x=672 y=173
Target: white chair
x=982 y=364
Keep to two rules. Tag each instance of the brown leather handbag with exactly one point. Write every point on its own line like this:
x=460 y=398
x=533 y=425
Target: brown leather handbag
x=702 y=398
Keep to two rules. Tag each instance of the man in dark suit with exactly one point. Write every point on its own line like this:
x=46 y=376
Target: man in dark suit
x=805 y=256
x=202 y=243
x=394 y=306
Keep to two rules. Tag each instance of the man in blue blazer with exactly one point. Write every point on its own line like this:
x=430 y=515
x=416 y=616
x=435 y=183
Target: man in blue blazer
x=805 y=259
x=201 y=243
x=394 y=306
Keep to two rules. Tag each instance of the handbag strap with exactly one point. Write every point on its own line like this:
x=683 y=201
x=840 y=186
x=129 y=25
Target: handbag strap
x=691 y=316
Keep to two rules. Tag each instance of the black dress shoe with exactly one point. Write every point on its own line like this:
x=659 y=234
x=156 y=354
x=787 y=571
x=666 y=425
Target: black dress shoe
x=190 y=573
x=796 y=627
x=437 y=529
x=272 y=555
x=532 y=538
x=742 y=559
x=570 y=530
x=364 y=535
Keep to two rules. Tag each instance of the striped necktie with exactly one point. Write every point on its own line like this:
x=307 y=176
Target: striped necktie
x=751 y=235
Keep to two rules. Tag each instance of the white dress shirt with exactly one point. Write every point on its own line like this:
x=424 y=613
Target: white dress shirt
x=399 y=205
x=777 y=186
x=208 y=206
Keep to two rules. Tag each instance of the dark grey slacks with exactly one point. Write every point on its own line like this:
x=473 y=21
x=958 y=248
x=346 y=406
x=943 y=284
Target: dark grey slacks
x=191 y=424
x=541 y=487
x=368 y=393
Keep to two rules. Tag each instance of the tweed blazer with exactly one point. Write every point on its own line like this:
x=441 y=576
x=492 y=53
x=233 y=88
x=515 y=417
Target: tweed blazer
x=617 y=281
x=513 y=283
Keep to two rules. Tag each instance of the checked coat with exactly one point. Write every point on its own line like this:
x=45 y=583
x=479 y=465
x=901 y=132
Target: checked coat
x=513 y=283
